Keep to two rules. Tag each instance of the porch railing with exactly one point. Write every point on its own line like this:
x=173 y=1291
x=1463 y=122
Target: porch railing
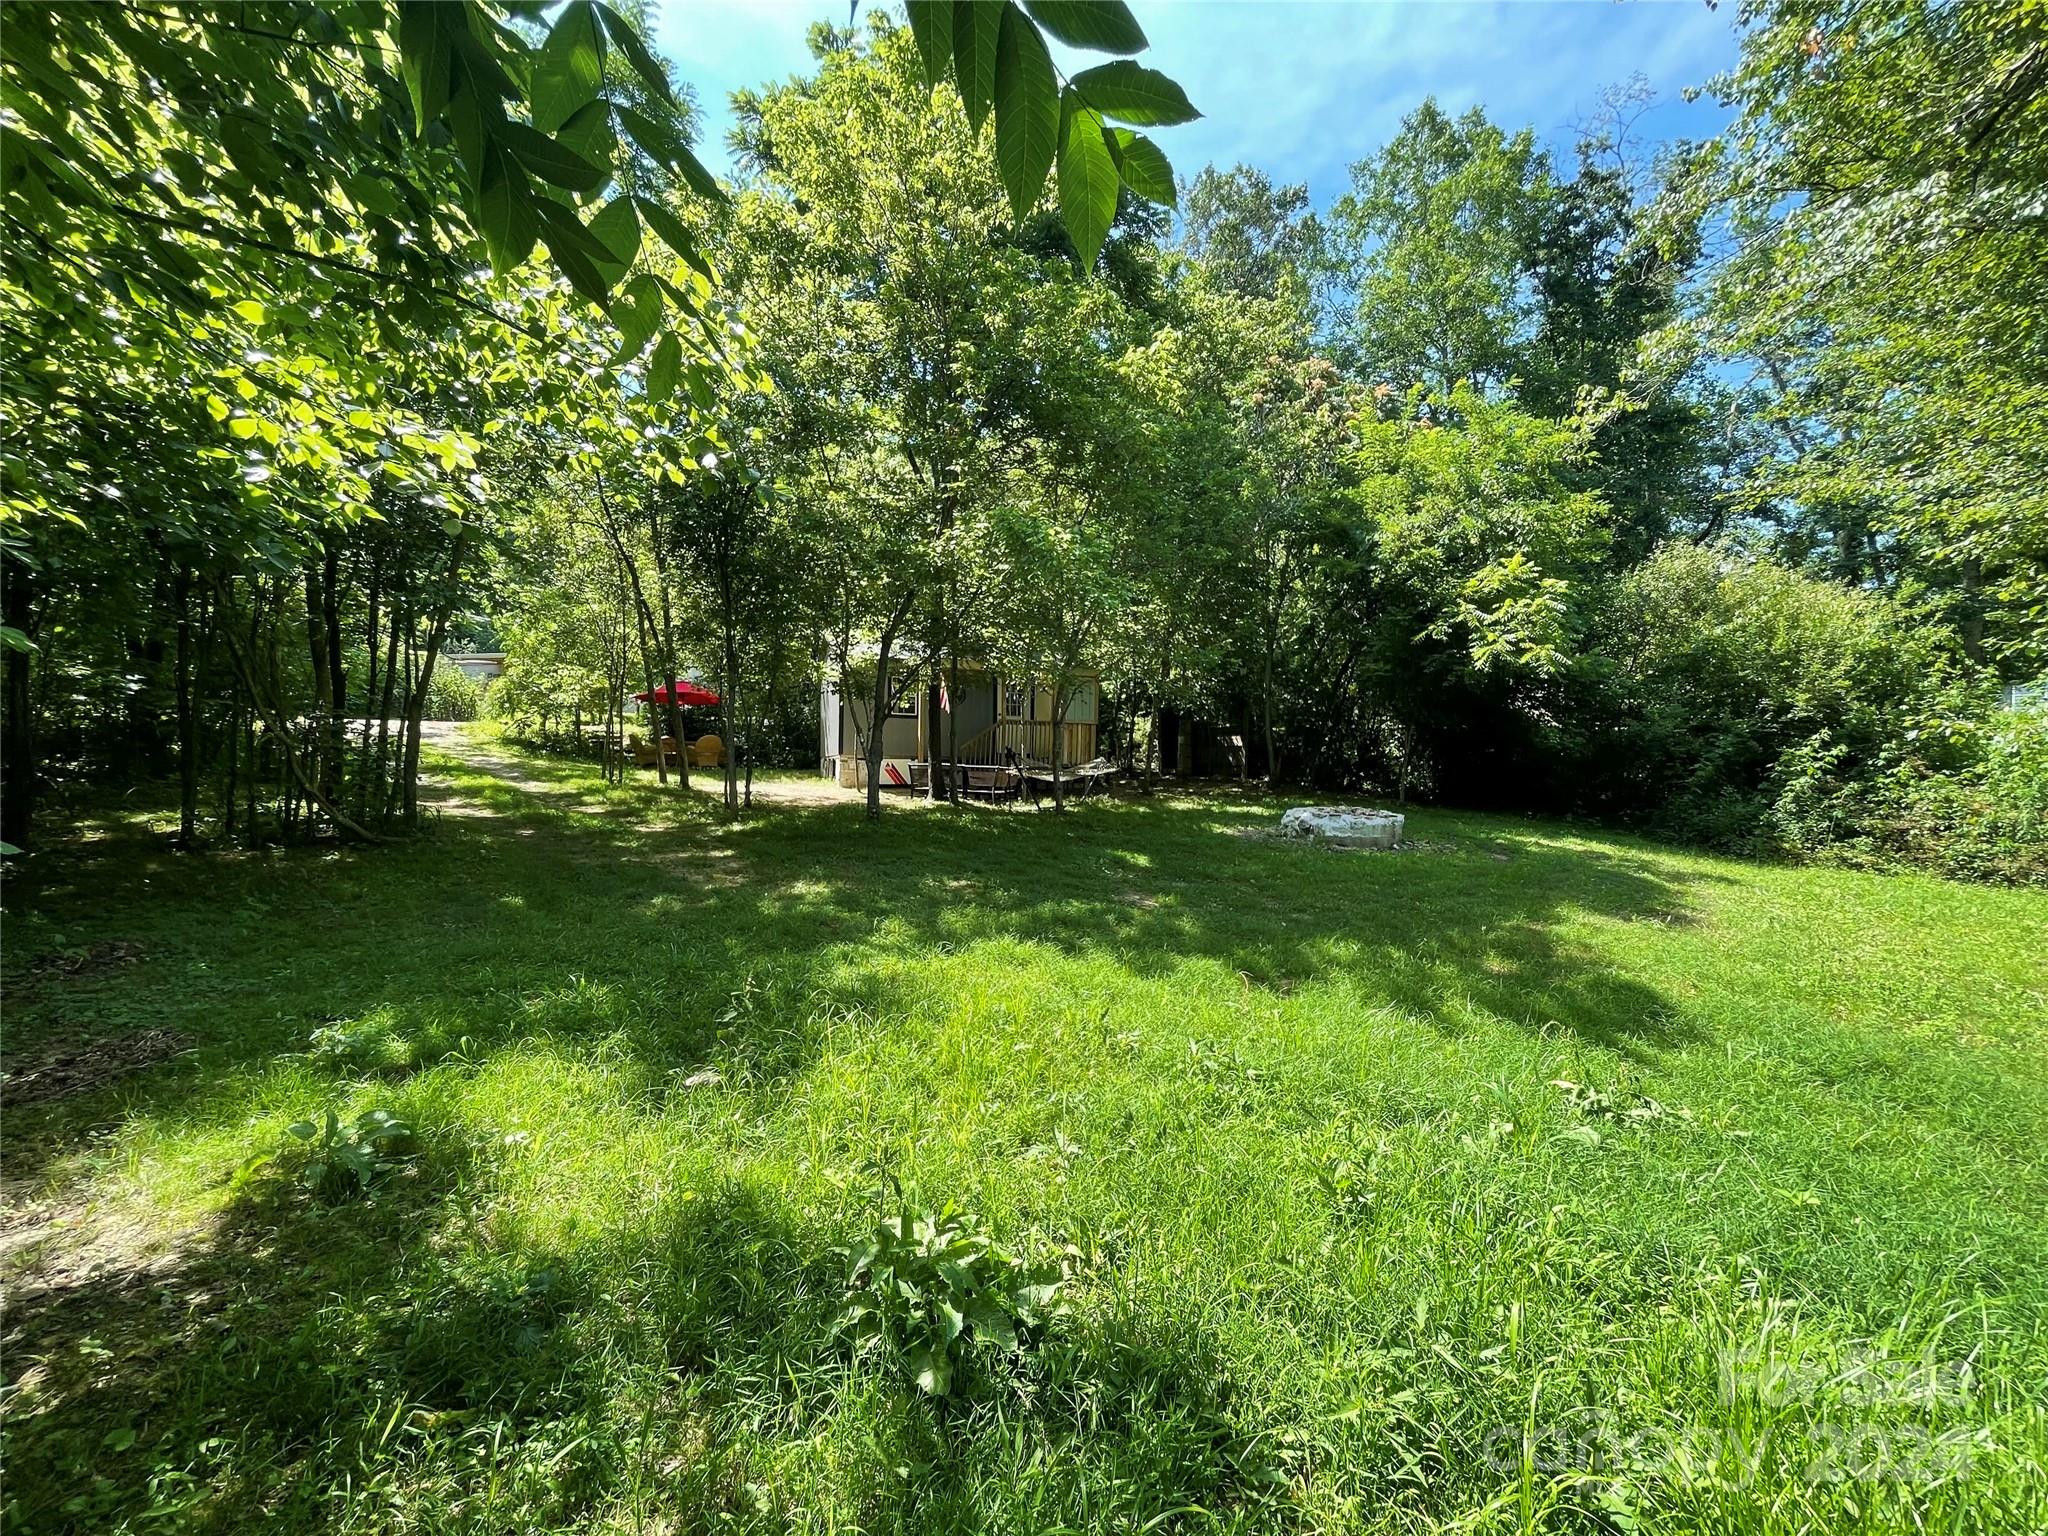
x=1031 y=740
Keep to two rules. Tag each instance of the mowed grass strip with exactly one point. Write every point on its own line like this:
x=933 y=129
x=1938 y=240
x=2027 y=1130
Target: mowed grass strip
x=1540 y=1179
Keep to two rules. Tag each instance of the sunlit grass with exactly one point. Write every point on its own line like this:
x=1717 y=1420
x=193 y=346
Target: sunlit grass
x=1341 y=1249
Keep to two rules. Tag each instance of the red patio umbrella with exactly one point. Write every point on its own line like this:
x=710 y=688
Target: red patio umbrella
x=679 y=690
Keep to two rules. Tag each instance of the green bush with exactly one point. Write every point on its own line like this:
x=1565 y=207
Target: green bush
x=1733 y=689
x=343 y=1159
x=928 y=1285
x=452 y=694
x=1986 y=819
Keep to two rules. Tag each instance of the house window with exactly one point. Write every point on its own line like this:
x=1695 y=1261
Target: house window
x=1016 y=698
x=905 y=703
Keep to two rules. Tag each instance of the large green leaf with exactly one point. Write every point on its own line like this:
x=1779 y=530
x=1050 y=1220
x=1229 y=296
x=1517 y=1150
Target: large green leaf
x=589 y=133
x=552 y=160
x=636 y=313
x=1107 y=26
x=931 y=22
x=664 y=368
x=1132 y=93
x=670 y=231
x=663 y=141
x=477 y=66
x=645 y=64
x=931 y=1369
x=425 y=58
x=576 y=251
x=977 y=33
x=617 y=229
x=568 y=68
x=1027 y=110
x=505 y=212
x=1088 y=182
x=991 y=1322
x=1143 y=166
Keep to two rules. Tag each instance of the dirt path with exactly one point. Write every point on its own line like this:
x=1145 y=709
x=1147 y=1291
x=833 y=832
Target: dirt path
x=449 y=737
x=446 y=736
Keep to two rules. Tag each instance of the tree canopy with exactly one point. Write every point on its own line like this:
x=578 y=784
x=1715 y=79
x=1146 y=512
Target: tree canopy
x=349 y=328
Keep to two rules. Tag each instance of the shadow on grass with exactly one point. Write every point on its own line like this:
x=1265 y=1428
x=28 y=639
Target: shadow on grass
x=307 y=1348
x=589 y=910
x=300 y=1358
x=306 y=1364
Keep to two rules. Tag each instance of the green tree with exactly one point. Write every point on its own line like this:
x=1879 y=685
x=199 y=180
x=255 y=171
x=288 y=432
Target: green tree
x=1433 y=237
x=1886 y=280
x=1250 y=236
x=1485 y=558
x=1601 y=286
x=920 y=351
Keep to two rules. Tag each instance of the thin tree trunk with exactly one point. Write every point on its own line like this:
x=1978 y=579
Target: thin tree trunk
x=643 y=615
x=18 y=746
x=1971 y=624
x=323 y=688
x=730 y=645
x=337 y=678
x=387 y=700
x=1266 y=709
x=437 y=633
x=188 y=746
x=953 y=726
x=668 y=654
x=879 y=705
x=369 y=681
x=234 y=753
x=292 y=766
x=251 y=831
x=1060 y=700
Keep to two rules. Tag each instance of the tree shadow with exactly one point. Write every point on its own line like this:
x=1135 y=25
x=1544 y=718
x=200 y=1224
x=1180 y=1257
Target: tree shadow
x=298 y=1359
x=642 y=924
x=640 y=914
x=263 y=1371
x=1118 y=1421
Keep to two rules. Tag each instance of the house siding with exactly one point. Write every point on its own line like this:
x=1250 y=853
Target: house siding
x=899 y=733
x=974 y=707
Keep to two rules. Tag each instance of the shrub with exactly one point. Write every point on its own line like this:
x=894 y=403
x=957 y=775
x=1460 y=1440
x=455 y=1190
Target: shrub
x=925 y=1287
x=344 y=1158
x=1986 y=819
x=1735 y=691
x=452 y=694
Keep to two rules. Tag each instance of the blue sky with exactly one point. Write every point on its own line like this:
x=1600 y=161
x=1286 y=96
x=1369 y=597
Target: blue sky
x=1301 y=88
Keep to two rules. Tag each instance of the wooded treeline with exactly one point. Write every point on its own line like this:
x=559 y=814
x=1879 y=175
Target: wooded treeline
x=1699 y=490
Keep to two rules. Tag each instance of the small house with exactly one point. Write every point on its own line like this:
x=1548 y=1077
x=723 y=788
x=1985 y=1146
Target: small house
x=984 y=719
x=481 y=665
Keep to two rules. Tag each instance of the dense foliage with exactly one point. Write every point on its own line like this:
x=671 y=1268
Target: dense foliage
x=252 y=368
x=1700 y=492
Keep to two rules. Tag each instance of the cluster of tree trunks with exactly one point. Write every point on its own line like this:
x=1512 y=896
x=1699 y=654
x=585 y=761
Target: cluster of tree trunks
x=286 y=699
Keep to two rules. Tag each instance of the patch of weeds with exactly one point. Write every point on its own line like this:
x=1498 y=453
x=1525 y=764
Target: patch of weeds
x=106 y=955
x=67 y=1070
x=1497 y=1133
x=1058 y=1155
x=342 y=1159
x=1616 y=1110
x=1348 y=1173
x=1238 y=1086
x=367 y=1044
x=926 y=1287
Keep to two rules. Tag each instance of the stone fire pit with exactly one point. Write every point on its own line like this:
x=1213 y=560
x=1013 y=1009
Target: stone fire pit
x=1343 y=826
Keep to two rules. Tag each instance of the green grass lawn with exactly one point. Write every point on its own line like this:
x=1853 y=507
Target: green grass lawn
x=1340 y=1252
